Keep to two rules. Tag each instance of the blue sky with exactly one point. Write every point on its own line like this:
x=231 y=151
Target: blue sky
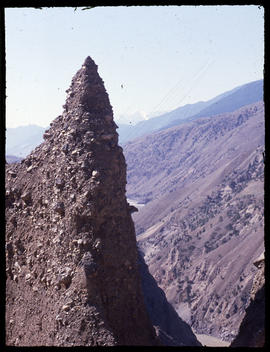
x=164 y=56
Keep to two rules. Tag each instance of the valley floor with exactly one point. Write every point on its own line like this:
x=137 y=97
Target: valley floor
x=211 y=341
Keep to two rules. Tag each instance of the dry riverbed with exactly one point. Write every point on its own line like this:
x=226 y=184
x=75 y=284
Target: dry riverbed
x=135 y=203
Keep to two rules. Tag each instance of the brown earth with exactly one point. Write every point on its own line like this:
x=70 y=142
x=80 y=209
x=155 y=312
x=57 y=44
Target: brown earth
x=71 y=257
x=202 y=225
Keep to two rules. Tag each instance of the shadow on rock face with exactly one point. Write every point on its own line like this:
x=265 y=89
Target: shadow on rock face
x=170 y=328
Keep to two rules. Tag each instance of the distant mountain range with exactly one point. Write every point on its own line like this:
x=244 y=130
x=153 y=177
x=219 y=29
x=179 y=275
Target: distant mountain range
x=12 y=159
x=229 y=101
x=20 y=141
x=202 y=225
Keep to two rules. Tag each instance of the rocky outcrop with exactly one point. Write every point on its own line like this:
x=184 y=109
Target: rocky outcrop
x=72 y=272
x=71 y=258
x=252 y=329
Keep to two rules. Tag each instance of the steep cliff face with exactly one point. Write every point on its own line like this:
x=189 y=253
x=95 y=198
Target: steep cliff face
x=72 y=271
x=252 y=329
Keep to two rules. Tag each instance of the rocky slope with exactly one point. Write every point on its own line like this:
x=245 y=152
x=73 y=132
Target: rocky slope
x=202 y=224
x=71 y=257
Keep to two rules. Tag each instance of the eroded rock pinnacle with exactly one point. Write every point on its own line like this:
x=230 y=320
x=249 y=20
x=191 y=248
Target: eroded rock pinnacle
x=65 y=207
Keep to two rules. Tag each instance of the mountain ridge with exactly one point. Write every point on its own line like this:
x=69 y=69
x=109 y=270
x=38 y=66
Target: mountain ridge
x=225 y=102
x=246 y=94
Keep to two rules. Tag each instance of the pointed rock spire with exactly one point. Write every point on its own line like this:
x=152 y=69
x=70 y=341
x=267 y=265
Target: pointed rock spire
x=87 y=91
x=89 y=62
x=72 y=256
x=87 y=119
